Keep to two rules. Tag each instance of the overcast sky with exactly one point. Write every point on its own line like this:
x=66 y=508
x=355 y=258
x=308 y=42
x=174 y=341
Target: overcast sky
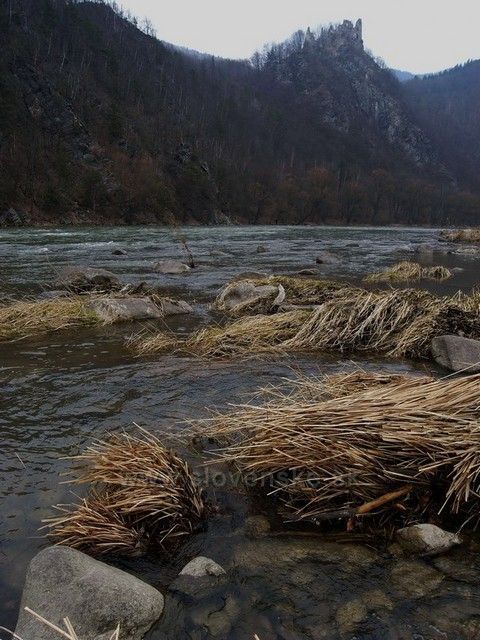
x=412 y=35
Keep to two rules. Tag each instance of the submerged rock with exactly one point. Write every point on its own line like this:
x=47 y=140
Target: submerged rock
x=456 y=353
x=171 y=267
x=426 y=539
x=256 y=527
x=465 y=568
x=63 y=582
x=350 y=614
x=261 y=249
x=218 y=619
x=307 y=272
x=119 y=252
x=326 y=257
x=424 y=250
x=415 y=579
x=87 y=279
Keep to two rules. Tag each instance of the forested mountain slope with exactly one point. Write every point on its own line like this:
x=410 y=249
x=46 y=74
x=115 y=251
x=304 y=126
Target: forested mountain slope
x=447 y=106
x=101 y=122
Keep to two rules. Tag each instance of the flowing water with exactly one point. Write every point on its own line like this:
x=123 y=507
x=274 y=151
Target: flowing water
x=59 y=391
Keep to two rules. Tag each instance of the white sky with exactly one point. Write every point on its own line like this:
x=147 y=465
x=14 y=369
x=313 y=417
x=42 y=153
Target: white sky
x=411 y=35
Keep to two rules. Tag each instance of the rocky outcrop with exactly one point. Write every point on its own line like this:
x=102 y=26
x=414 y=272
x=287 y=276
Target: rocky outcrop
x=426 y=539
x=457 y=353
x=87 y=279
x=414 y=579
x=62 y=582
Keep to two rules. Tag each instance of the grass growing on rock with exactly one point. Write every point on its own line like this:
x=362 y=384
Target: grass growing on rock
x=23 y=319
x=354 y=444
x=395 y=323
x=405 y=271
x=141 y=494
x=303 y=291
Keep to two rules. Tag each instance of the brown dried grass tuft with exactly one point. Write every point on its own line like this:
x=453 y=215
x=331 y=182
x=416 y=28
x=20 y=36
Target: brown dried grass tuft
x=141 y=493
x=23 y=319
x=461 y=235
x=347 y=441
x=405 y=271
x=396 y=323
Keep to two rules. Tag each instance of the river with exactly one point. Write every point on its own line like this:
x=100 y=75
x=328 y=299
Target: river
x=59 y=391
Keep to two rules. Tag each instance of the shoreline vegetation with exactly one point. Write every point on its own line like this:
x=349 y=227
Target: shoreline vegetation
x=365 y=450
x=400 y=447
x=342 y=318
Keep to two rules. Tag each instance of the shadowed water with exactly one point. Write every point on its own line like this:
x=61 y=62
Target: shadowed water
x=59 y=391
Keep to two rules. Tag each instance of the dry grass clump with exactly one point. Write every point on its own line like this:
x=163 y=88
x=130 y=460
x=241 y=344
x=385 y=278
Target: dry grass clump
x=24 y=319
x=141 y=494
x=461 y=235
x=405 y=271
x=147 y=344
x=249 y=335
x=402 y=446
x=396 y=323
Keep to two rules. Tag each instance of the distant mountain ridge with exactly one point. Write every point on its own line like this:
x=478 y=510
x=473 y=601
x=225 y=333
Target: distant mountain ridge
x=102 y=123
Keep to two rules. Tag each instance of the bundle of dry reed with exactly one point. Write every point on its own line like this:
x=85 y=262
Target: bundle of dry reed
x=27 y=318
x=405 y=271
x=395 y=322
x=141 y=493
x=403 y=445
x=461 y=235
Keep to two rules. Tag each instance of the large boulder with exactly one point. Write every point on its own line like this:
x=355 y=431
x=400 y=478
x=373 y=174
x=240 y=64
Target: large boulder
x=171 y=267
x=456 y=353
x=65 y=583
x=87 y=279
x=238 y=296
x=111 y=310
x=426 y=539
